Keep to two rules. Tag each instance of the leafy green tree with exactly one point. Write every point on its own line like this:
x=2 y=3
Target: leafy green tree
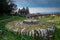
x=6 y=7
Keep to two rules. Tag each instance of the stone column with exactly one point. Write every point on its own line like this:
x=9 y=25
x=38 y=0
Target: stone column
x=36 y=35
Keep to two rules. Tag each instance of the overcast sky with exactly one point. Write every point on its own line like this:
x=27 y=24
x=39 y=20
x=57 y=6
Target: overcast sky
x=39 y=5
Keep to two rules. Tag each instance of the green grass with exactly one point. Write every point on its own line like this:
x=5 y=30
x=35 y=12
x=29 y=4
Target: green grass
x=7 y=34
x=50 y=18
x=57 y=34
x=57 y=23
x=4 y=17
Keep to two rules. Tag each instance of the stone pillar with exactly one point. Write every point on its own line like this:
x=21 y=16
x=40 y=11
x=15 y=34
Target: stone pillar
x=51 y=34
x=36 y=37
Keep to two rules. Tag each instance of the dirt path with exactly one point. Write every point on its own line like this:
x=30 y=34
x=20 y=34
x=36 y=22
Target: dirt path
x=2 y=21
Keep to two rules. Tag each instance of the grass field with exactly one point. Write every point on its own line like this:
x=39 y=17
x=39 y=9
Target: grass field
x=8 y=35
x=56 y=20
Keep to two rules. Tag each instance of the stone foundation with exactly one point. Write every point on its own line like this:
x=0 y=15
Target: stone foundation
x=44 y=30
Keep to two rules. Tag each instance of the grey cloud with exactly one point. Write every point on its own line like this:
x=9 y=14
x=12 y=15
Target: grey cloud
x=37 y=1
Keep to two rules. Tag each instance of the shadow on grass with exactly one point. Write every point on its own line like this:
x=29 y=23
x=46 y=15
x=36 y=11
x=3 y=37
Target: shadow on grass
x=57 y=34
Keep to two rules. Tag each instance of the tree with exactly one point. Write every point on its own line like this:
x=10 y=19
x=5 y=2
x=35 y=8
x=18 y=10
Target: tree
x=23 y=12
x=7 y=6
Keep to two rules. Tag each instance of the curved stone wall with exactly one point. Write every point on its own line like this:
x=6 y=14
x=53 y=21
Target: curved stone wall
x=31 y=21
x=44 y=30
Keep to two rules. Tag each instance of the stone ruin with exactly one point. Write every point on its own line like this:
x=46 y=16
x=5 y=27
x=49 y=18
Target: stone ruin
x=30 y=21
x=34 y=28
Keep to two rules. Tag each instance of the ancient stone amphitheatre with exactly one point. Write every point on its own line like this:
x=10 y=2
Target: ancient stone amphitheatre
x=32 y=28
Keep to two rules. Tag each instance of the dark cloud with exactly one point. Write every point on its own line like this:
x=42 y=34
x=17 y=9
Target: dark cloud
x=38 y=3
